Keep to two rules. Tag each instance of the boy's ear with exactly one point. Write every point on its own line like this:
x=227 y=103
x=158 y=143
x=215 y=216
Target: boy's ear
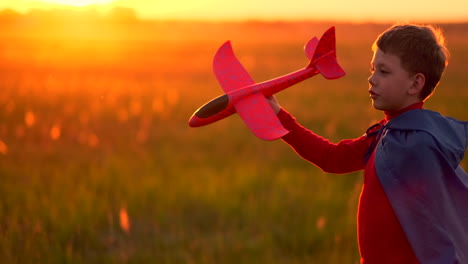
x=418 y=83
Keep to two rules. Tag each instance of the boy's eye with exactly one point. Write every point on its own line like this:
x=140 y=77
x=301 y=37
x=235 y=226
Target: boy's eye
x=382 y=71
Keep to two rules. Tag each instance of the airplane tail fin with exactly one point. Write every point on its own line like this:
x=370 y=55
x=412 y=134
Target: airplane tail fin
x=324 y=55
x=310 y=47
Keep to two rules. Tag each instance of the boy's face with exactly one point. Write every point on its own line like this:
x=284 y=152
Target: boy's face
x=389 y=83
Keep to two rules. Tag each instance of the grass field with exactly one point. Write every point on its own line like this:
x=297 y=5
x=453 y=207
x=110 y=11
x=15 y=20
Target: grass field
x=98 y=164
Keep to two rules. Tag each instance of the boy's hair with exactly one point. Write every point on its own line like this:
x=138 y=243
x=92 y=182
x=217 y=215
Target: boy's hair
x=421 y=49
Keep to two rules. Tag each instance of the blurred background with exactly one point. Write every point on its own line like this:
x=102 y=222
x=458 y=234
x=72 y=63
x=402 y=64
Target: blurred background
x=98 y=164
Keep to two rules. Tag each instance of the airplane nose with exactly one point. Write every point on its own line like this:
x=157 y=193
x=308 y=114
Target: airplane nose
x=194 y=121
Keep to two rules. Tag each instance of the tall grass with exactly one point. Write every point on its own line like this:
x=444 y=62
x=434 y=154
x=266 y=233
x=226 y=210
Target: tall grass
x=98 y=164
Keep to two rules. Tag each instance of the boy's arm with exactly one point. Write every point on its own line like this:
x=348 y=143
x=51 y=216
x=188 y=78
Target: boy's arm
x=343 y=157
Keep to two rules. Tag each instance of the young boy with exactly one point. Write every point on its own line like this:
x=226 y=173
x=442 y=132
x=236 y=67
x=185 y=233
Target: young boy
x=413 y=206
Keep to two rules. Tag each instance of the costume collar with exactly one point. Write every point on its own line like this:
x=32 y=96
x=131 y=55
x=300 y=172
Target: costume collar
x=389 y=115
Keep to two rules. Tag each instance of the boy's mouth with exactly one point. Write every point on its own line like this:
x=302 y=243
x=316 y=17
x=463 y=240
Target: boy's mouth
x=373 y=95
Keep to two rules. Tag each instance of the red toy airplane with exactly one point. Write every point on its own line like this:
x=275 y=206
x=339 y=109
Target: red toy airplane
x=247 y=98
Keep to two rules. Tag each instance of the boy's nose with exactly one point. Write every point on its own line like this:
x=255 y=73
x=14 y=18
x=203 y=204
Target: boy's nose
x=371 y=80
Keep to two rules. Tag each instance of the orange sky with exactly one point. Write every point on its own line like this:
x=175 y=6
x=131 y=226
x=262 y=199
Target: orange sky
x=342 y=10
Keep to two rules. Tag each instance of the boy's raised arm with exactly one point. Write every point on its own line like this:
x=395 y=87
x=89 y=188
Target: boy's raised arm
x=343 y=157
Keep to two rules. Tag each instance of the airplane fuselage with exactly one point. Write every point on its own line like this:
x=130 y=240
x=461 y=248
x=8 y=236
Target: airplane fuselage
x=223 y=106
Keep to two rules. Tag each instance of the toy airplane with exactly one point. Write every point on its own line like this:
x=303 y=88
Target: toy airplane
x=248 y=98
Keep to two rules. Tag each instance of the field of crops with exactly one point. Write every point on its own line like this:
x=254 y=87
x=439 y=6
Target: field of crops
x=98 y=164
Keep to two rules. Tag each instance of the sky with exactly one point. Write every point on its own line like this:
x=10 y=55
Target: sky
x=338 y=10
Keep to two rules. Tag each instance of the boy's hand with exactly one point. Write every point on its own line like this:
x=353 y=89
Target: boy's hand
x=274 y=103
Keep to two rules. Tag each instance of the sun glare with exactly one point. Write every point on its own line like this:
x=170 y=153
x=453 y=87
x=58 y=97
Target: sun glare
x=78 y=3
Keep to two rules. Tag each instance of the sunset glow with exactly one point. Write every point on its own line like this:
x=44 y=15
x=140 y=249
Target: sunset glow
x=338 y=10
x=99 y=164
x=77 y=3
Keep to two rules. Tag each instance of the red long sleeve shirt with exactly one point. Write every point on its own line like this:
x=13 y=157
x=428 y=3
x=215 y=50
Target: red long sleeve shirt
x=380 y=236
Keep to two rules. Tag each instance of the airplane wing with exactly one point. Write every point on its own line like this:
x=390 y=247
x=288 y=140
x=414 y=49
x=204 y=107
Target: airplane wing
x=259 y=117
x=253 y=109
x=229 y=71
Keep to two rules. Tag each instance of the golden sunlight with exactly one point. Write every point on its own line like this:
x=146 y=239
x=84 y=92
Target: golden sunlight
x=77 y=3
x=124 y=220
x=3 y=148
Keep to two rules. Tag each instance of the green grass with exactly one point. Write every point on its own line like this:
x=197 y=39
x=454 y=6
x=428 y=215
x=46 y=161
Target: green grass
x=214 y=194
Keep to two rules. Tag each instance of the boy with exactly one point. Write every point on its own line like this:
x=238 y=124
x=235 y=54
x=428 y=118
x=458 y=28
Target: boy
x=413 y=206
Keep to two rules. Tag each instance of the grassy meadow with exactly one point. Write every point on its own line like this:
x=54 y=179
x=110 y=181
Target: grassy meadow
x=98 y=164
